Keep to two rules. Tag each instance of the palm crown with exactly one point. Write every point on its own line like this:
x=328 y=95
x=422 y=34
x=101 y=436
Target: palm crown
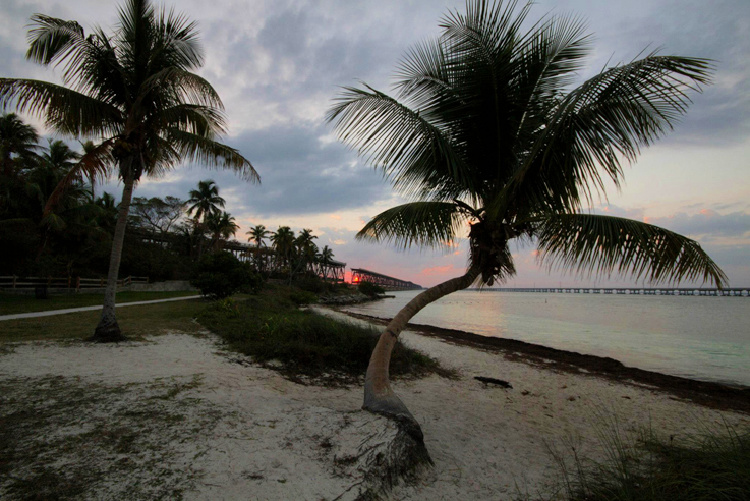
x=205 y=201
x=488 y=130
x=134 y=88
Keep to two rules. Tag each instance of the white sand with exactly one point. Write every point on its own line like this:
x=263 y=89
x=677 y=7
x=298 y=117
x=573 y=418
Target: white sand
x=270 y=438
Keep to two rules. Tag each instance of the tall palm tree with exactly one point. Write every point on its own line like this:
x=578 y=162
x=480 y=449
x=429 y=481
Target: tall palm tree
x=325 y=258
x=136 y=90
x=488 y=131
x=306 y=248
x=205 y=200
x=257 y=234
x=283 y=243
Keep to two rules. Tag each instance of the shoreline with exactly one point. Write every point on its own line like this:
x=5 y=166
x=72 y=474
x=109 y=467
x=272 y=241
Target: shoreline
x=710 y=394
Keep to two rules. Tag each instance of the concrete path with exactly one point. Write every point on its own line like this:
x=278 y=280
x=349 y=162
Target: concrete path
x=50 y=313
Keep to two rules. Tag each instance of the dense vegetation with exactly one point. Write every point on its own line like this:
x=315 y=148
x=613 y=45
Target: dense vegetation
x=46 y=232
x=220 y=274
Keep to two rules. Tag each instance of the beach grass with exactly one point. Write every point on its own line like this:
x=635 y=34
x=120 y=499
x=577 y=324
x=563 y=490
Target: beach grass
x=271 y=329
x=708 y=465
x=135 y=321
x=11 y=304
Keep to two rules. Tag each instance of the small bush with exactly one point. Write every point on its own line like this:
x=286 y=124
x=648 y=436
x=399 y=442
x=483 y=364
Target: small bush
x=370 y=289
x=301 y=297
x=221 y=274
x=313 y=284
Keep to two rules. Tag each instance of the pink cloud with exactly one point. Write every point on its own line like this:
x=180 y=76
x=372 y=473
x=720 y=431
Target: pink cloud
x=437 y=270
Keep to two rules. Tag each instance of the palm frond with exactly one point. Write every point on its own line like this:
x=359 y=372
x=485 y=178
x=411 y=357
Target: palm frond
x=63 y=110
x=205 y=121
x=600 y=245
x=412 y=151
x=53 y=39
x=212 y=153
x=544 y=66
x=95 y=164
x=434 y=224
x=179 y=38
x=610 y=116
x=190 y=87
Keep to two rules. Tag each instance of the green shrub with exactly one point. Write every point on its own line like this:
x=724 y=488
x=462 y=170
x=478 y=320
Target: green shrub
x=370 y=289
x=220 y=275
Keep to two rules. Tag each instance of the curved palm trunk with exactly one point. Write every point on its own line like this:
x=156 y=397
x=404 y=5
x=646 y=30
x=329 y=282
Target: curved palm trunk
x=108 y=330
x=379 y=397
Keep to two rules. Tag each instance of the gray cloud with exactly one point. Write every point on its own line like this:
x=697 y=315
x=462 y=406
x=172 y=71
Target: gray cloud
x=707 y=224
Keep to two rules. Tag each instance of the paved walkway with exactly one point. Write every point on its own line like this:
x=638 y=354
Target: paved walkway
x=50 y=313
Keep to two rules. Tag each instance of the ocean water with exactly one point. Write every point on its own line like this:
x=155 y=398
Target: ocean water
x=699 y=337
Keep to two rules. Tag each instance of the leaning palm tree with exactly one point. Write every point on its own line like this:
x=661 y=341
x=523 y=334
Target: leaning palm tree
x=488 y=131
x=135 y=91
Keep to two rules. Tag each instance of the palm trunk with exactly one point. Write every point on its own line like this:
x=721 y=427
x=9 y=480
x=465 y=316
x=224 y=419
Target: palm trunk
x=108 y=330
x=379 y=397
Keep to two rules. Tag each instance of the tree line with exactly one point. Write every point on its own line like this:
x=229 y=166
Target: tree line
x=50 y=232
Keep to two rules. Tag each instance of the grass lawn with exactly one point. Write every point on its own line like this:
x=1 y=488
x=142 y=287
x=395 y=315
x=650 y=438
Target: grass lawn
x=15 y=303
x=268 y=326
x=135 y=322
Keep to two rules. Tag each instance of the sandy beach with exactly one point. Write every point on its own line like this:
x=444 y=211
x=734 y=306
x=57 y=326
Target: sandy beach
x=189 y=419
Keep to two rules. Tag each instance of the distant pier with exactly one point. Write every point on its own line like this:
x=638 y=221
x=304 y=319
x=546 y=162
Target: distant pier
x=391 y=283
x=643 y=291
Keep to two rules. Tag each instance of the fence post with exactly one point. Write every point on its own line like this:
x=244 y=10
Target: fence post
x=78 y=284
x=14 y=281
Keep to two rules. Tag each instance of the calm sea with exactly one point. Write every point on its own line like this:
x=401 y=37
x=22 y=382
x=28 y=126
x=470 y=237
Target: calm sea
x=706 y=338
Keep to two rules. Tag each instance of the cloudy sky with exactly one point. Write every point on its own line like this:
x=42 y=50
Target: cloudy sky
x=278 y=64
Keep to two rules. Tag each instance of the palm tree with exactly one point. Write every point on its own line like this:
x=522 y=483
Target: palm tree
x=306 y=248
x=59 y=157
x=222 y=226
x=283 y=243
x=18 y=145
x=205 y=201
x=257 y=234
x=488 y=131
x=325 y=258
x=136 y=90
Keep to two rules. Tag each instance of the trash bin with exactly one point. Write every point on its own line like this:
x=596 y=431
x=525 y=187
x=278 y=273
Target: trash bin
x=41 y=292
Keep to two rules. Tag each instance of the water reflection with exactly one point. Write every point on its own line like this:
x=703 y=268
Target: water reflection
x=699 y=337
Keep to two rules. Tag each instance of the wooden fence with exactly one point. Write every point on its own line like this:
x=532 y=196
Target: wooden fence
x=77 y=283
